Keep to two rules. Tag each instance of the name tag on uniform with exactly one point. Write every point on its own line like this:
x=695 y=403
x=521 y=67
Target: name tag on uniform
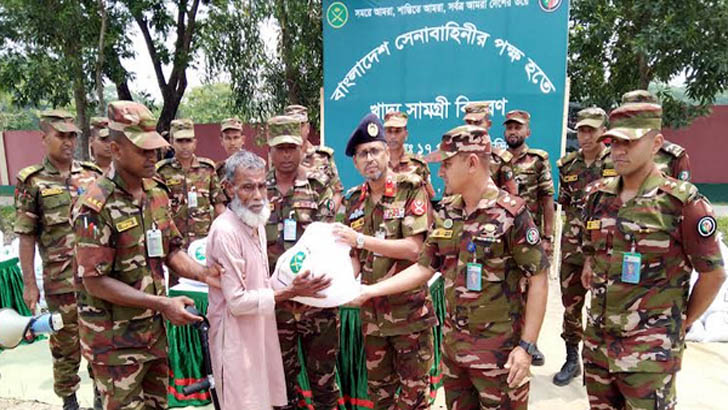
x=609 y=173
x=126 y=224
x=631 y=267
x=305 y=204
x=474 y=277
x=440 y=233
x=358 y=224
x=51 y=191
x=571 y=178
x=394 y=213
x=594 y=225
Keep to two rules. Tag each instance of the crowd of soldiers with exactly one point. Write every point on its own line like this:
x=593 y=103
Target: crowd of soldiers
x=125 y=215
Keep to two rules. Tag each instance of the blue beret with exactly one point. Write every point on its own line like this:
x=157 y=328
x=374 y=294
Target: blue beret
x=370 y=129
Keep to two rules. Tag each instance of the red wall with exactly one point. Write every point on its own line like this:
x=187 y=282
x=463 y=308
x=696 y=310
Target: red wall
x=706 y=141
x=23 y=148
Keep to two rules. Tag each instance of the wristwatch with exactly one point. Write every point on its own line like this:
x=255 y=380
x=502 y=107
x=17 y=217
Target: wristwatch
x=359 y=241
x=530 y=348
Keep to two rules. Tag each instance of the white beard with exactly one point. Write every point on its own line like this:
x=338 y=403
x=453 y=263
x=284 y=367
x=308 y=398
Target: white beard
x=249 y=217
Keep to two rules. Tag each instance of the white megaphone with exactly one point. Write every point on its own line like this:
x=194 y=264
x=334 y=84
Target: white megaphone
x=14 y=327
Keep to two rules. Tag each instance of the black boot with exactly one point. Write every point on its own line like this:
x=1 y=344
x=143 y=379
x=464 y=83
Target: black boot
x=70 y=402
x=571 y=367
x=537 y=358
x=98 y=405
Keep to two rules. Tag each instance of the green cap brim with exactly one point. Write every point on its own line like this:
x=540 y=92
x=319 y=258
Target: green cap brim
x=474 y=116
x=285 y=139
x=630 y=134
x=147 y=140
x=184 y=134
x=231 y=127
x=439 y=156
x=590 y=122
x=395 y=122
x=62 y=126
x=518 y=120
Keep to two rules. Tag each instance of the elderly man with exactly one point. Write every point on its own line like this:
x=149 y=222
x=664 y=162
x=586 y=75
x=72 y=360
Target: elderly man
x=242 y=312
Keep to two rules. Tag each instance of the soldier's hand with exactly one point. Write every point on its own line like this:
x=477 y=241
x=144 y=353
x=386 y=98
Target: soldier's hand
x=212 y=275
x=518 y=364
x=362 y=298
x=304 y=285
x=548 y=247
x=345 y=234
x=174 y=310
x=31 y=296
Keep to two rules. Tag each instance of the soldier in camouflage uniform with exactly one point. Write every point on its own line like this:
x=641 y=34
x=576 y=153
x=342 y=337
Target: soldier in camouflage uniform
x=388 y=217
x=401 y=162
x=195 y=192
x=484 y=242
x=232 y=140
x=671 y=159
x=98 y=143
x=644 y=233
x=44 y=194
x=297 y=197
x=124 y=233
x=478 y=114
x=532 y=172
x=576 y=170
x=319 y=158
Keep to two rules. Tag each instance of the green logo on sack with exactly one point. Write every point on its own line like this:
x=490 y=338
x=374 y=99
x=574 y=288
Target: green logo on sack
x=297 y=262
x=337 y=14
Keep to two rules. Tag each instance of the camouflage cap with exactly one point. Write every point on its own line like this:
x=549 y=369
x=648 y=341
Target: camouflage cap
x=477 y=111
x=60 y=120
x=639 y=96
x=295 y=110
x=594 y=117
x=182 y=128
x=519 y=116
x=101 y=126
x=284 y=129
x=137 y=123
x=370 y=129
x=465 y=138
x=232 y=123
x=632 y=121
x=395 y=119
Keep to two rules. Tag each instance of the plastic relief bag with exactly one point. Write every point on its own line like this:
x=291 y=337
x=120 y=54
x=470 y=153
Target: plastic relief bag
x=318 y=251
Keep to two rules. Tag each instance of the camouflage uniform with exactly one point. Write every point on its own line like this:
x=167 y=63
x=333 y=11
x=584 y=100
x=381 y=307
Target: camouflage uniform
x=574 y=176
x=126 y=346
x=232 y=123
x=397 y=329
x=482 y=327
x=317 y=158
x=634 y=339
x=671 y=159
x=193 y=223
x=310 y=199
x=43 y=200
x=533 y=176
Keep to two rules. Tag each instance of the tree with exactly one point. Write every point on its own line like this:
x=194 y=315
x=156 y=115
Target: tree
x=207 y=103
x=617 y=46
x=263 y=80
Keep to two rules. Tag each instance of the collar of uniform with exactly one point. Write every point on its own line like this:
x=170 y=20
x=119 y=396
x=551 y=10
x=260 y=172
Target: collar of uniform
x=115 y=177
x=523 y=153
x=177 y=164
x=48 y=166
x=605 y=153
x=301 y=178
x=600 y=157
x=648 y=188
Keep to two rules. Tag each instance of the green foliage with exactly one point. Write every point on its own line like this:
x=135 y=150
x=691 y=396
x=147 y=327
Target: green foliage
x=723 y=227
x=207 y=103
x=264 y=81
x=618 y=46
x=7 y=220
